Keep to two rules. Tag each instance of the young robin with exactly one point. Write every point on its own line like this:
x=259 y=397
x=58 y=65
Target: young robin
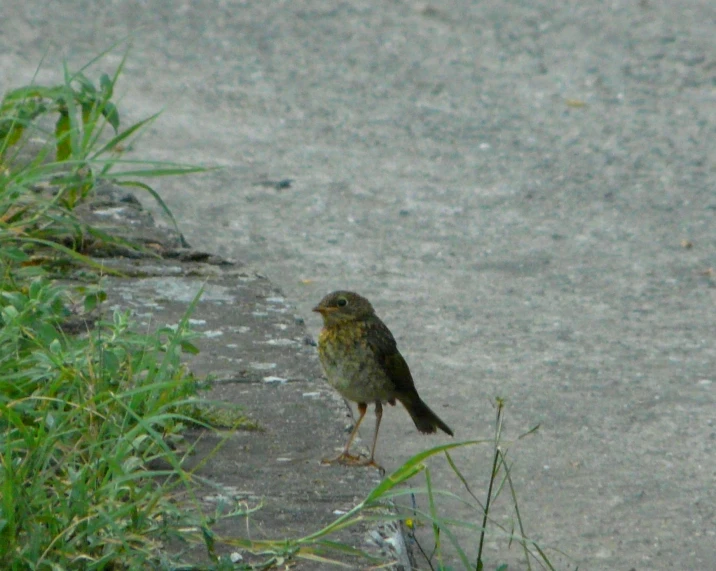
x=362 y=362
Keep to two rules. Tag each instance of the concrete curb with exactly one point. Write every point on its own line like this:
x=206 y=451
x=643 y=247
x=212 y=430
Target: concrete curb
x=260 y=357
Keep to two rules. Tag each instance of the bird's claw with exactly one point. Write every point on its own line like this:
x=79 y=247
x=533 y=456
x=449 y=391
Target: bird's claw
x=344 y=458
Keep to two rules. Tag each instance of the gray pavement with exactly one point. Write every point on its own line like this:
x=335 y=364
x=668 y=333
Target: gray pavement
x=525 y=191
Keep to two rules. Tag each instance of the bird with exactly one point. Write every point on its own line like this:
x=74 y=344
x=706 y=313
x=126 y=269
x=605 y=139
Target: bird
x=361 y=361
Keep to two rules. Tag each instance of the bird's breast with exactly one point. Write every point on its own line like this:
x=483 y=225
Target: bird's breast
x=351 y=365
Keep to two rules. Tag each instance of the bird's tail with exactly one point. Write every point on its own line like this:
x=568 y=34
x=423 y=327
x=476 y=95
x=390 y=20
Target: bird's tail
x=425 y=419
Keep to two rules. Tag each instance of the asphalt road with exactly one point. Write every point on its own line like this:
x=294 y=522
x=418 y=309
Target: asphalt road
x=525 y=190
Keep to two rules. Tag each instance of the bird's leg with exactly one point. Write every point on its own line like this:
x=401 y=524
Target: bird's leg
x=378 y=417
x=346 y=457
x=362 y=410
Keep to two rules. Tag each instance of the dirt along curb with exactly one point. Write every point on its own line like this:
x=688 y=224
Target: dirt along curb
x=260 y=357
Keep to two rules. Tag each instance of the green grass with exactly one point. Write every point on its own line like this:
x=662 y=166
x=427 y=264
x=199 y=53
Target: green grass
x=83 y=418
x=90 y=411
x=84 y=144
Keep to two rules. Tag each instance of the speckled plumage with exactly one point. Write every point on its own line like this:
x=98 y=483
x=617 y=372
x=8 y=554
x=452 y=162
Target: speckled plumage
x=349 y=356
x=361 y=360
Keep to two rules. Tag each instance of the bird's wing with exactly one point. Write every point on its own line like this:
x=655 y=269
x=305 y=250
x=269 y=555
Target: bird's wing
x=383 y=345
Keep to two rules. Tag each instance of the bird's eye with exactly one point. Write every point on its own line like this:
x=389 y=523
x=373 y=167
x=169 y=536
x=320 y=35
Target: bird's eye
x=342 y=302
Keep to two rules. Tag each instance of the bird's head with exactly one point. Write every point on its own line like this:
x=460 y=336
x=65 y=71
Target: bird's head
x=343 y=307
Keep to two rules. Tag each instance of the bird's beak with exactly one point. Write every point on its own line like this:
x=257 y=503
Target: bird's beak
x=323 y=310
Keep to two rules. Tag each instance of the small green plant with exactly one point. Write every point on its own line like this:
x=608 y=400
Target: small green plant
x=500 y=480
x=82 y=112
x=383 y=504
x=41 y=187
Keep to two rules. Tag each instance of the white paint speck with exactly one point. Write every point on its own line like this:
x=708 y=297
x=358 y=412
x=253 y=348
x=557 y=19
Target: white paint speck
x=280 y=342
x=262 y=366
x=115 y=212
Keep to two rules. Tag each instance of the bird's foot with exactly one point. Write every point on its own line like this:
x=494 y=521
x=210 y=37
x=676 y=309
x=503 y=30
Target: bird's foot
x=372 y=463
x=345 y=458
